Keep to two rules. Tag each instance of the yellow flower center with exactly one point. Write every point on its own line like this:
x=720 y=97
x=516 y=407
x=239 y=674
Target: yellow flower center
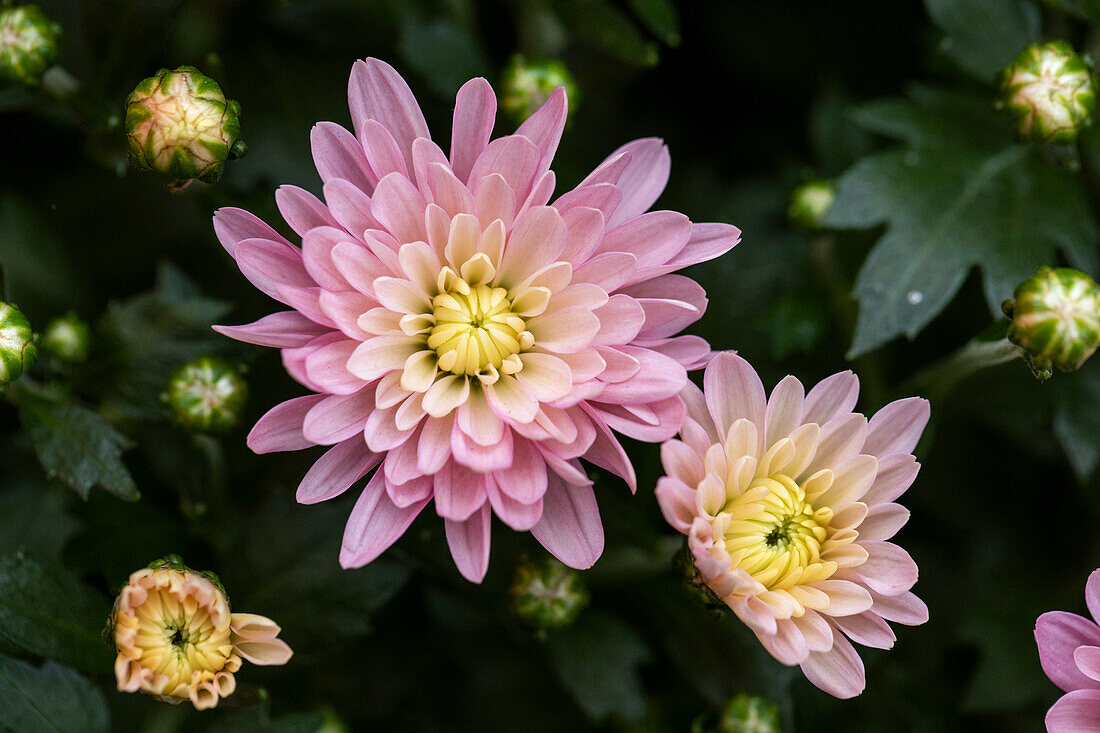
x=775 y=534
x=178 y=638
x=476 y=331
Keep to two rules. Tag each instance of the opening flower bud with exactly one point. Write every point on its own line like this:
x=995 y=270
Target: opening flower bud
x=207 y=395
x=528 y=84
x=177 y=639
x=17 y=350
x=547 y=595
x=179 y=123
x=67 y=339
x=29 y=44
x=809 y=202
x=1055 y=319
x=1049 y=92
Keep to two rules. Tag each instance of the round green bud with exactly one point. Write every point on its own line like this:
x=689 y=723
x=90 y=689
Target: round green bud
x=809 y=202
x=29 y=44
x=17 y=350
x=67 y=339
x=1049 y=92
x=528 y=84
x=179 y=123
x=206 y=395
x=749 y=714
x=546 y=594
x=1055 y=319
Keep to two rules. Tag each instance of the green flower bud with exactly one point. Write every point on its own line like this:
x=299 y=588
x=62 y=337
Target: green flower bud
x=528 y=84
x=749 y=714
x=1049 y=92
x=809 y=202
x=206 y=395
x=1055 y=319
x=547 y=595
x=67 y=339
x=17 y=350
x=29 y=44
x=180 y=123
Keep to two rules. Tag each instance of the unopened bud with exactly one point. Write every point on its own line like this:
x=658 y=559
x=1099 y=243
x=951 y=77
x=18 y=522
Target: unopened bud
x=180 y=123
x=1049 y=92
x=1055 y=319
x=809 y=202
x=67 y=339
x=207 y=395
x=29 y=44
x=528 y=84
x=749 y=714
x=547 y=595
x=17 y=350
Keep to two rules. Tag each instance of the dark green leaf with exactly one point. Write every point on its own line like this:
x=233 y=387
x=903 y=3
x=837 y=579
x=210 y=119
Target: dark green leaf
x=49 y=699
x=39 y=273
x=76 y=445
x=935 y=118
x=259 y=720
x=33 y=518
x=947 y=211
x=597 y=660
x=660 y=17
x=984 y=36
x=1085 y=9
x=606 y=27
x=445 y=53
x=1076 y=417
x=47 y=612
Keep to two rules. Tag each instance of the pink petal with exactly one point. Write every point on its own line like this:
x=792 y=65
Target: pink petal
x=621 y=318
x=520 y=517
x=654 y=238
x=1087 y=659
x=286 y=329
x=733 y=391
x=495 y=200
x=889 y=570
x=459 y=492
x=377 y=92
x=317 y=246
x=1092 y=594
x=707 y=242
x=382 y=151
x=609 y=271
x=345 y=308
x=896 y=473
x=327 y=368
x=644 y=178
x=1077 y=712
x=425 y=153
x=570 y=527
x=525 y=479
x=867 y=629
x=904 y=609
x=264 y=653
x=280 y=429
x=350 y=206
x=584 y=228
x=692 y=352
x=481 y=458
x=883 y=521
x=607 y=453
x=301 y=209
x=399 y=206
x=513 y=158
x=269 y=265
x=831 y=397
x=604 y=197
x=448 y=192
x=511 y=401
x=371 y=359
x=410 y=492
x=787 y=644
x=375 y=524
x=784 y=411
x=400 y=466
x=335 y=471
x=476 y=419
x=536 y=241
x=475 y=112
x=897 y=427
x=469 y=543
x=1058 y=634
x=435 y=444
x=338 y=417
x=233 y=225
x=359 y=266
x=838 y=671
x=840 y=439
x=663 y=420
x=338 y=155
x=545 y=126
x=658 y=379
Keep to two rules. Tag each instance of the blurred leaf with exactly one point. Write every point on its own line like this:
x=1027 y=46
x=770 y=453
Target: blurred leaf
x=935 y=118
x=39 y=273
x=597 y=660
x=443 y=52
x=49 y=699
x=150 y=335
x=299 y=581
x=796 y=323
x=1084 y=9
x=259 y=720
x=836 y=140
x=33 y=519
x=76 y=445
x=947 y=211
x=660 y=17
x=606 y=27
x=984 y=36
x=47 y=612
x=1076 y=417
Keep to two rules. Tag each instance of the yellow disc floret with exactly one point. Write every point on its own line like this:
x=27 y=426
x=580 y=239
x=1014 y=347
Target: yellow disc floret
x=476 y=331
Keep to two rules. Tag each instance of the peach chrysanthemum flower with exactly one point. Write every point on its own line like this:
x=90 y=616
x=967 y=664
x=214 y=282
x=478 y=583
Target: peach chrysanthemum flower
x=178 y=640
x=788 y=505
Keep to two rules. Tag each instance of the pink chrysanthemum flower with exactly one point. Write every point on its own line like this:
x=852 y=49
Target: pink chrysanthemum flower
x=1069 y=650
x=464 y=334
x=787 y=503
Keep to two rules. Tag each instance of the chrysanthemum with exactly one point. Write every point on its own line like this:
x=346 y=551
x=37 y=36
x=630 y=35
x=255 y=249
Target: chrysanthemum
x=787 y=503
x=177 y=639
x=1069 y=650
x=464 y=334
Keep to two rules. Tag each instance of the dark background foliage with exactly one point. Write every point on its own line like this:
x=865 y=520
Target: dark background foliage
x=752 y=98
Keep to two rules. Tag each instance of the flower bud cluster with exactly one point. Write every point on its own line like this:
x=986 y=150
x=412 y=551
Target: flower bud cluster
x=29 y=44
x=1049 y=92
x=547 y=595
x=206 y=395
x=1055 y=319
